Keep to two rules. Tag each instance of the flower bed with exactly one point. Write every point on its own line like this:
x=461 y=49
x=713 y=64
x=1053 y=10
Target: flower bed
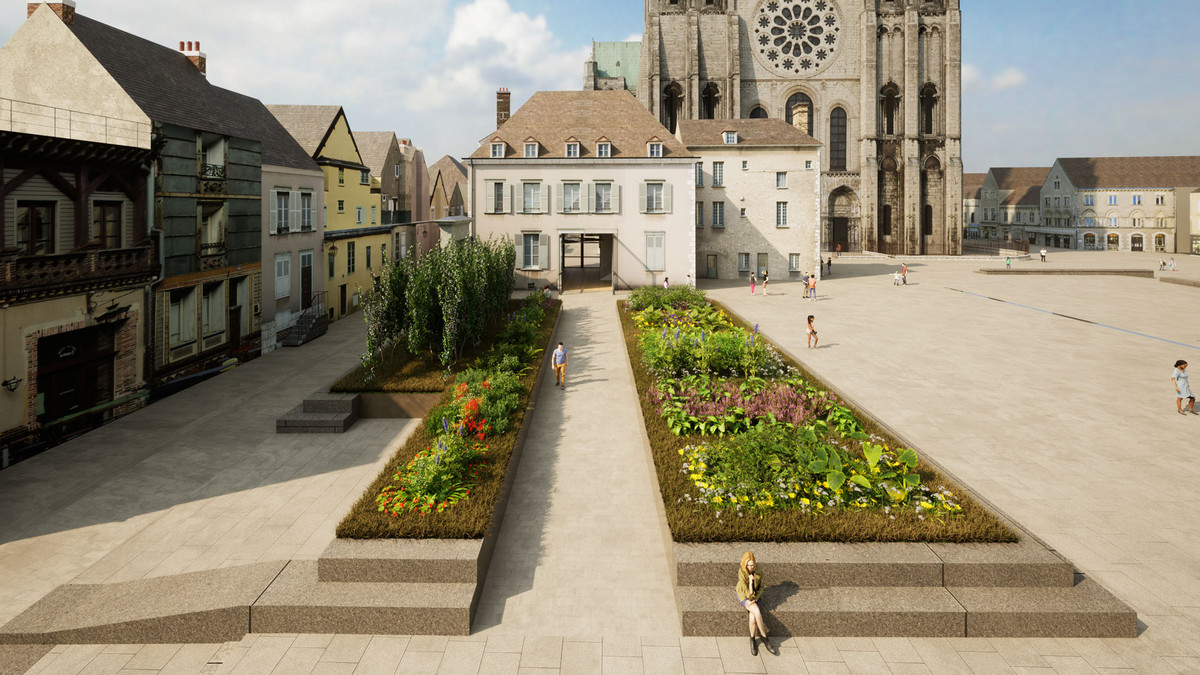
x=444 y=481
x=748 y=447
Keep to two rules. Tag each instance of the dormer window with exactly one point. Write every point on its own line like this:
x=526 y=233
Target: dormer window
x=531 y=150
x=572 y=150
x=655 y=149
x=603 y=149
x=730 y=138
x=497 y=151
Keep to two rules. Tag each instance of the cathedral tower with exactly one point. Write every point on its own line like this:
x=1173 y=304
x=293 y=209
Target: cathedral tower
x=878 y=82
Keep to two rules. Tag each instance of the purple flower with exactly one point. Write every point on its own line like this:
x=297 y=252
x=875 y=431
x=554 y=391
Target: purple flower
x=445 y=425
x=756 y=329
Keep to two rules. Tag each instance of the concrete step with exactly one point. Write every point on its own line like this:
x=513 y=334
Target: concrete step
x=332 y=403
x=209 y=606
x=446 y=561
x=1083 y=610
x=826 y=612
x=822 y=564
x=298 y=603
x=297 y=421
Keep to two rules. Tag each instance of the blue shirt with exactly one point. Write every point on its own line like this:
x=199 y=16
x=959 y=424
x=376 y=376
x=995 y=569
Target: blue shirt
x=560 y=356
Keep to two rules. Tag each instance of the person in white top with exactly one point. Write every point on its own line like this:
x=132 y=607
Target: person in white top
x=666 y=282
x=1043 y=254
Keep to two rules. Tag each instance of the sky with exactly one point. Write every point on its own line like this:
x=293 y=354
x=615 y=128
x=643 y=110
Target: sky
x=1041 y=79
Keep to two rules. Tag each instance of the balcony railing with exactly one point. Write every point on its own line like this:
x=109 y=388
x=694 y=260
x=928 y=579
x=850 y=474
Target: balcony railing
x=49 y=275
x=212 y=172
x=212 y=256
x=43 y=120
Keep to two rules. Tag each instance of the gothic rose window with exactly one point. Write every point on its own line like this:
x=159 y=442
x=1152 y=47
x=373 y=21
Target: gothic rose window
x=797 y=36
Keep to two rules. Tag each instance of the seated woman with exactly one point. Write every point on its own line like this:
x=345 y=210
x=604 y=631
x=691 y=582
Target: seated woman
x=749 y=590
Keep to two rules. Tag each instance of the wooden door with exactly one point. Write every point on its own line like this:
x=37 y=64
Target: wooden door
x=306 y=279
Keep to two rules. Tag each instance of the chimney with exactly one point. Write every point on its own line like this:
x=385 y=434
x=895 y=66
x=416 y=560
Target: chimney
x=503 y=105
x=197 y=57
x=800 y=117
x=65 y=9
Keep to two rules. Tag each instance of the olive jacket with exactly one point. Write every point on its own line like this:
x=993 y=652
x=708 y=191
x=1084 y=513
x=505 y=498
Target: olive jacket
x=747 y=588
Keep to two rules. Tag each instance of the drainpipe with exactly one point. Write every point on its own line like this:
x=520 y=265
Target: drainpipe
x=149 y=311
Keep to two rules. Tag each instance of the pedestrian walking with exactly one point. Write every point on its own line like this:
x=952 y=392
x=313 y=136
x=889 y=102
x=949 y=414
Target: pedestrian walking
x=812 y=286
x=689 y=281
x=1043 y=254
x=1008 y=263
x=812 y=333
x=666 y=283
x=1171 y=264
x=904 y=273
x=753 y=283
x=1162 y=265
x=560 y=367
x=765 y=280
x=829 y=265
x=896 y=278
x=839 y=250
x=1180 y=378
x=749 y=590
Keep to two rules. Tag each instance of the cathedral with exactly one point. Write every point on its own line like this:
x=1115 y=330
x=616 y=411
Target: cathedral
x=878 y=82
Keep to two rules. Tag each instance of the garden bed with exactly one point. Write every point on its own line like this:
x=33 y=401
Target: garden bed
x=472 y=517
x=692 y=519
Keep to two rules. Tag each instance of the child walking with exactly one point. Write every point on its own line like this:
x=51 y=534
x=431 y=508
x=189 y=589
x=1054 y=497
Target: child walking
x=753 y=283
x=812 y=333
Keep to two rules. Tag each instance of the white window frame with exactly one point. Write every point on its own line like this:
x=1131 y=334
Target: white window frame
x=655 y=150
x=308 y=214
x=718 y=174
x=743 y=260
x=654 y=202
x=360 y=214
x=397 y=171
x=1112 y=200
x=699 y=214
x=730 y=137
x=531 y=197
x=597 y=204
x=212 y=309
x=374 y=214
x=781 y=214
x=1137 y=200
x=531 y=150
x=282 y=201
x=531 y=256
x=793 y=262
x=497 y=151
x=364 y=177
x=283 y=275
x=780 y=180
x=718 y=214
x=604 y=150
x=573 y=150
x=699 y=174
x=181 y=320
x=656 y=251
x=575 y=206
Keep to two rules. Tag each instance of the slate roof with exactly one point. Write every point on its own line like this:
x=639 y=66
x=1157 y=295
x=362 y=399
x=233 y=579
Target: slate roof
x=1132 y=172
x=169 y=89
x=751 y=133
x=973 y=185
x=453 y=173
x=373 y=146
x=551 y=117
x=1025 y=183
x=308 y=124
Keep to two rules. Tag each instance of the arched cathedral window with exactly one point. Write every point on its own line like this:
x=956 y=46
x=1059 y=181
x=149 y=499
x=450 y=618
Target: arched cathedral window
x=797 y=99
x=711 y=100
x=837 y=140
x=672 y=105
x=758 y=113
x=890 y=102
x=929 y=98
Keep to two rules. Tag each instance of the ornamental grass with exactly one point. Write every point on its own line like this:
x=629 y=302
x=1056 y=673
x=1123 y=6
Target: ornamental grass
x=470 y=517
x=674 y=447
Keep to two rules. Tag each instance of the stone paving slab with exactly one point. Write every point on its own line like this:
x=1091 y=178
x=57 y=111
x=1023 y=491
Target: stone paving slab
x=814 y=564
x=1025 y=563
x=1084 y=610
x=401 y=560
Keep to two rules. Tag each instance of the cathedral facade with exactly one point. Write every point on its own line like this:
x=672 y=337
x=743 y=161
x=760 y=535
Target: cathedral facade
x=878 y=82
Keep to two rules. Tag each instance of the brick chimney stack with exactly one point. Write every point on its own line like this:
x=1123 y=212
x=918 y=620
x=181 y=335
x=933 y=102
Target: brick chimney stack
x=197 y=57
x=503 y=106
x=65 y=9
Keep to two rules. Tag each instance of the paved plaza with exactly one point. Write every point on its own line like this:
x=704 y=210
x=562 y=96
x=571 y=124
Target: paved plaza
x=1048 y=395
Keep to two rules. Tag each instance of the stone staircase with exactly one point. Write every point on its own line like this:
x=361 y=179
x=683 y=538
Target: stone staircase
x=310 y=325
x=899 y=590
x=321 y=413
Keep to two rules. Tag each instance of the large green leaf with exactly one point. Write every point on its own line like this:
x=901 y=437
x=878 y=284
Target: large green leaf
x=836 y=479
x=860 y=480
x=909 y=457
x=872 y=453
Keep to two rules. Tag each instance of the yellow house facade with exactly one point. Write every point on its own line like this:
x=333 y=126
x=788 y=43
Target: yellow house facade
x=355 y=239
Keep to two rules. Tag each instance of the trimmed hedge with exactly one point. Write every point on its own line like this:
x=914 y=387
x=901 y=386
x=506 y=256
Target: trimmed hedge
x=468 y=519
x=690 y=523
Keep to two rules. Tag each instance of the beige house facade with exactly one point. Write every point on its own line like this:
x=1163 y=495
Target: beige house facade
x=1008 y=203
x=972 y=191
x=591 y=190
x=293 y=232
x=1191 y=238
x=758 y=198
x=1132 y=204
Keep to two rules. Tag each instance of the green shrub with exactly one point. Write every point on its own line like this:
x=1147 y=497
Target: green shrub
x=656 y=297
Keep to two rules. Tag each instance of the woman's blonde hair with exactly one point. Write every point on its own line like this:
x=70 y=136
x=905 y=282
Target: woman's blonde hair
x=747 y=557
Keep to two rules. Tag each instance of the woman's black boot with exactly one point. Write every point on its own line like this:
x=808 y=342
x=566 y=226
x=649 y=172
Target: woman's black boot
x=753 y=645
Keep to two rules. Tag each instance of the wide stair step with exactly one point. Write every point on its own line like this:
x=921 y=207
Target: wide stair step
x=321 y=413
x=298 y=603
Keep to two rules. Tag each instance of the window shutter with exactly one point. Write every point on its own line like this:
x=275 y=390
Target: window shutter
x=520 y=250
x=616 y=198
x=564 y=206
x=642 y=197
x=667 y=198
x=507 y=194
x=588 y=194
x=544 y=251
x=547 y=205
x=273 y=228
x=489 y=196
x=294 y=216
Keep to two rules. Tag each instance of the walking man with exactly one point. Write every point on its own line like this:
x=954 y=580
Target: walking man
x=839 y=250
x=812 y=286
x=904 y=273
x=1043 y=254
x=560 y=367
x=829 y=265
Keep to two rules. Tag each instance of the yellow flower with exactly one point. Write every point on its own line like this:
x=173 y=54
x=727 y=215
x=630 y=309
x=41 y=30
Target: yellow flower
x=791 y=495
x=717 y=500
x=805 y=500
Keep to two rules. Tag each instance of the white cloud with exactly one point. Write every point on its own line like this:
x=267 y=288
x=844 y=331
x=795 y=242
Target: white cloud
x=1010 y=78
x=971 y=76
x=634 y=37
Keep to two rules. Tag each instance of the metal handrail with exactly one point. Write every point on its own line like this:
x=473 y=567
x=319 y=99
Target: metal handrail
x=44 y=120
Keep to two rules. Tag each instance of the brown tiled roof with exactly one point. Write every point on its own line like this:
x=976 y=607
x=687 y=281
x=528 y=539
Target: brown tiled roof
x=973 y=185
x=453 y=172
x=751 y=132
x=308 y=124
x=1025 y=182
x=169 y=89
x=554 y=116
x=1132 y=172
x=373 y=147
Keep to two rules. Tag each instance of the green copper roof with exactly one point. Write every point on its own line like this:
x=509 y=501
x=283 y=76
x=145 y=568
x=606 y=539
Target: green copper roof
x=618 y=59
